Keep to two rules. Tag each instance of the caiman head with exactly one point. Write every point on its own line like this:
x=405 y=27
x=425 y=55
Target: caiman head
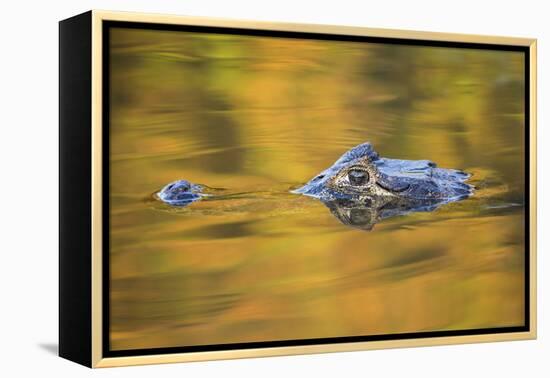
x=360 y=173
x=355 y=174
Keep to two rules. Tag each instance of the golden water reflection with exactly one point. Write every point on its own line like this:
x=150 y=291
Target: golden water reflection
x=256 y=116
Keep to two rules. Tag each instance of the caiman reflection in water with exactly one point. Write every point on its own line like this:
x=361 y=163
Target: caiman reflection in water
x=361 y=188
x=366 y=213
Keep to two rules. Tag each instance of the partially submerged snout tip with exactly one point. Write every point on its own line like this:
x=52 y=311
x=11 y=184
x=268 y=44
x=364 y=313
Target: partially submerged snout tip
x=179 y=193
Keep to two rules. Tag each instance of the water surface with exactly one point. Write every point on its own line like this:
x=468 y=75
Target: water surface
x=252 y=118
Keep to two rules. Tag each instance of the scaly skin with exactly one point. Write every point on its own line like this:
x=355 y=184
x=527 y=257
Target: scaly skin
x=180 y=193
x=360 y=173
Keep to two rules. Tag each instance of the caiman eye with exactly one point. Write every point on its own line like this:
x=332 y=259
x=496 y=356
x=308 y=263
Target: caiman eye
x=358 y=177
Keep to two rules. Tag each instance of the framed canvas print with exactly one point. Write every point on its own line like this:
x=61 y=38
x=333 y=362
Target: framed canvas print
x=236 y=189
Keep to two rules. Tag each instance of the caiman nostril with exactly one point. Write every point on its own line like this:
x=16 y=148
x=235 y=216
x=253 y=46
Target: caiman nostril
x=180 y=193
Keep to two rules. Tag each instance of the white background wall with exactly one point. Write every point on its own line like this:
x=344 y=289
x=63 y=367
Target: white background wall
x=28 y=201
